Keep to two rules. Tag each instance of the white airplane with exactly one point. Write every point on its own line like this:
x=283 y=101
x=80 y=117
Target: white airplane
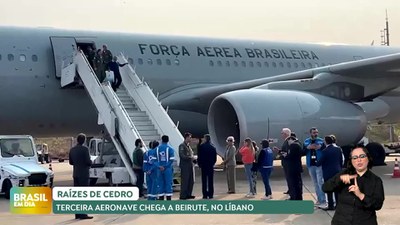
x=244 y=88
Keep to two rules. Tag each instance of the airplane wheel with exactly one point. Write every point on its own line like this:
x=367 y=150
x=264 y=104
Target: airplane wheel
x=7 y=188
x=377 y=152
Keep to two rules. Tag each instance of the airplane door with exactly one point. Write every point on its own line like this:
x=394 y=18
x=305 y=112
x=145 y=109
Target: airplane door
x=64 y=49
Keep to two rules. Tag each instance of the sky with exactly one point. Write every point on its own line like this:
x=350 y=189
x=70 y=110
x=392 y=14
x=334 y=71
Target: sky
x=316 y=21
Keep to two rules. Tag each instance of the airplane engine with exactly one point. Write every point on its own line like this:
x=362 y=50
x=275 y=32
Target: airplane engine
x=260 y=114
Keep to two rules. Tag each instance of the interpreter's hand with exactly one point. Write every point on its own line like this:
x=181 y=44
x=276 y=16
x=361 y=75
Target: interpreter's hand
x=275 y=148
x=354 y=188
x=346 y=178
x=161 y=168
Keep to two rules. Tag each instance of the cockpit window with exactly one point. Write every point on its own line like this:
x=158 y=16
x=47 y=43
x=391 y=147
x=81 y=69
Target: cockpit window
x=18 y=147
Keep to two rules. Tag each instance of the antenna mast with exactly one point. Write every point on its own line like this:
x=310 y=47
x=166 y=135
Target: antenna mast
x=385 y=32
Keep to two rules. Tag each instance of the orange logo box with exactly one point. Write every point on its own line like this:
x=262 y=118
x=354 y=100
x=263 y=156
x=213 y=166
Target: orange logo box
x=30 y=200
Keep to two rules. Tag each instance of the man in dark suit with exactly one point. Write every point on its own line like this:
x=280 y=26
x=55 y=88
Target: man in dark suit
x=331 y=161
x=294 y=168
x=79 y=158
x=207 y=157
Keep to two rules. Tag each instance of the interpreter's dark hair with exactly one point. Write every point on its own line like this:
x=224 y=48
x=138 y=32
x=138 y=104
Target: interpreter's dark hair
x=187 y=134
x=150 y=144
x=292 y=134
x=350 y=166
x=165 y=139
x=81 y=138
x=137 y=142
x=329 y=139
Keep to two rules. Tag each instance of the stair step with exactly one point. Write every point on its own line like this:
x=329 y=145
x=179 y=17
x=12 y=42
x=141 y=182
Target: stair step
x=127 y=101
x=125 y=97
x=143 y=123
x=130 y=106
x=148 y=132
x=123 y=94
x=144 y=127
x=140 y=118
x=136 y=113
x=147 y=138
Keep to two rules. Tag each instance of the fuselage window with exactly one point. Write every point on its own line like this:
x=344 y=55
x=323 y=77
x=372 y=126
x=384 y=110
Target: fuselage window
x=150 y=61
x=309 y=65
x=130 y=61
x=168 y=62
x=211 y=63
x=258 y=64
x=140 y=61
x=243 y=63
x=219 y=63
x=227 y=63
x=281 y=64
x=177 y=62
x=236 y=63
x=266 y=64
x=251 y=64
x=303 y=65
x=273 y=64
x=10 y=57
x=34 y=58
x=22 y=58
x=289 y=65
x=159 y=62
x=296 y=65
x=316 y=65
x=0 y=57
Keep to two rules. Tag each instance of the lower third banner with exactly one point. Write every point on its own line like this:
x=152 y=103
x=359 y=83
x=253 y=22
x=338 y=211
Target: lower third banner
x=183 y=207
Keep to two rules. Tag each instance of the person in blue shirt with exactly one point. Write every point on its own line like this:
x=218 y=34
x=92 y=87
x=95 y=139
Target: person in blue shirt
x=165 y=157
x=264 y=164
x=313 y=149
x=150 y=166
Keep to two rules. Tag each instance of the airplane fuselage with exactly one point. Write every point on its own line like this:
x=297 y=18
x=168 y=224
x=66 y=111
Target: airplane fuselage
x=32 y=101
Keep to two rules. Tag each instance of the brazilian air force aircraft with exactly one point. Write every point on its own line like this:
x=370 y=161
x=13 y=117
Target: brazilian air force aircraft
x=243 y=88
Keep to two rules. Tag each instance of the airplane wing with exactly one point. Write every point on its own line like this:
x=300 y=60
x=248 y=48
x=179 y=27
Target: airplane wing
x=351 y=81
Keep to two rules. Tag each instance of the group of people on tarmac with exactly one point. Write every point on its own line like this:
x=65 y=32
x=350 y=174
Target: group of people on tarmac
x=355 y=188
x=255 y=160
x=102 y=61
x=157 y=165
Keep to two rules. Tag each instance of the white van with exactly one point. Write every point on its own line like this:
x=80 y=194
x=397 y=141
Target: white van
x=19 y=165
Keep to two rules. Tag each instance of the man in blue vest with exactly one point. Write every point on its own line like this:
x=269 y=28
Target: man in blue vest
x=165 y=157
x=313 y=148
x=150 y=166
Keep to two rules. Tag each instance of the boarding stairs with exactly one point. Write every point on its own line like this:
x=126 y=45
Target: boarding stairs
x=132 y=112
